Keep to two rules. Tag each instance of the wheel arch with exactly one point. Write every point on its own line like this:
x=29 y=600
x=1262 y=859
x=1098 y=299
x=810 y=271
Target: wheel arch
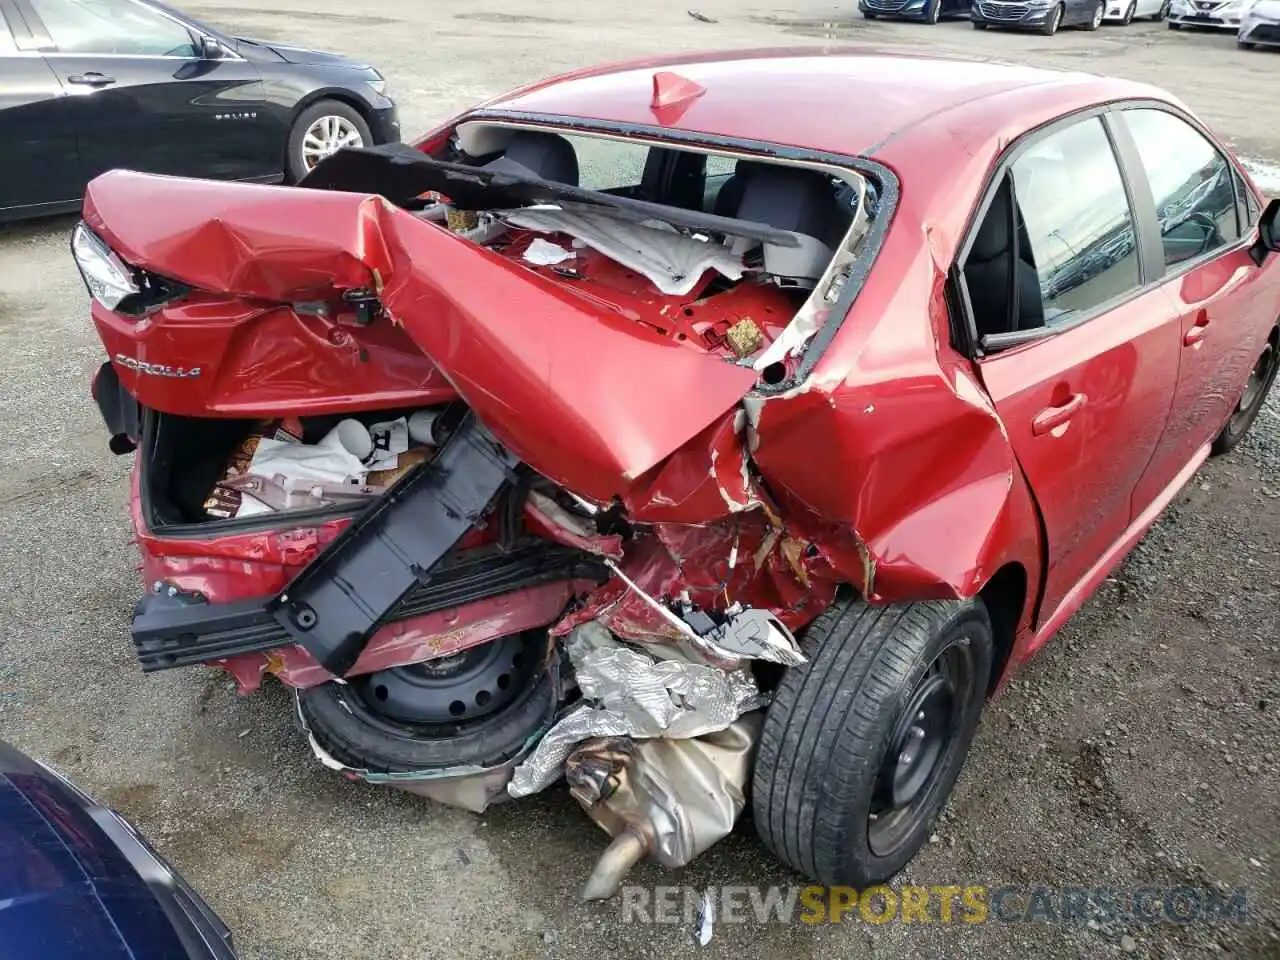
x=330 y=93
x=1005 y=597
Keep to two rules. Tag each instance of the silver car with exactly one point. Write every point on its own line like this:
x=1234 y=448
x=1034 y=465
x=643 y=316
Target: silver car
x=1260 y=25
x=1219 y=14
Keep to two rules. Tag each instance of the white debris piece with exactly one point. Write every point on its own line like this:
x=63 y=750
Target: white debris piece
x=544 y=253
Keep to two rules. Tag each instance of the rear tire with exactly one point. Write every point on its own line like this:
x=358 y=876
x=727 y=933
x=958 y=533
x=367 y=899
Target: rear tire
x=1096 y=21
x=1162 y=12
x=834 y=744
x=1129 y=12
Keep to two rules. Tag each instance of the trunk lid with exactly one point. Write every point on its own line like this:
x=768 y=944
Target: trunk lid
x=581 y=394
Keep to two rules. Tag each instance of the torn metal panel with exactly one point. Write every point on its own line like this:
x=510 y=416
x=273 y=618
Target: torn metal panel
x=917 y=452
x=629 y=692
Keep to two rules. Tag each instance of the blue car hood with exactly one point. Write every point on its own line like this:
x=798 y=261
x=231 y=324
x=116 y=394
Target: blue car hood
x=67 y=892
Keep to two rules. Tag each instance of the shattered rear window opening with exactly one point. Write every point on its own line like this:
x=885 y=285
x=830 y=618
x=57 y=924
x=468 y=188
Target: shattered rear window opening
x=733 y=254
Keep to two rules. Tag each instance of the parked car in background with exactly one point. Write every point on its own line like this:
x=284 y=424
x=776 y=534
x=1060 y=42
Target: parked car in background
x=89 y=85
x=77 y=882
x=930 y=11
x=682 y=390
x=1126 y=11
x=1260 y=25
x=1044 y=16
x=1216 y=14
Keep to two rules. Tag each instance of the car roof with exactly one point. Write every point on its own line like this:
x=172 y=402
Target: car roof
x=847 y=100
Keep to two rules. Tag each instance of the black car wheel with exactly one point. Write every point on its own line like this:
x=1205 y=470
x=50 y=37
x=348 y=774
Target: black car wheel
x=1129 y=12
x=933 y=11
x=1096 y=20
x=862 y=743
x=1051 y=25
x=1252 y=398
x=475 y=708
x=322 y=129
x=1162 y=12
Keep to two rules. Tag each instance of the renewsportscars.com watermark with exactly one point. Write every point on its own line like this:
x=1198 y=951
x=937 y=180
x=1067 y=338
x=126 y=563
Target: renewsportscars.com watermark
x=970 y=904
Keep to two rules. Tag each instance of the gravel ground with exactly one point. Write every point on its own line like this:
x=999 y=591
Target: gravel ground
x=1139 y=749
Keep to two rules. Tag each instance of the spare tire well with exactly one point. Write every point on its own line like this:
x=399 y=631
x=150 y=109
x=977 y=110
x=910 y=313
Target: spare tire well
x=1005 y=597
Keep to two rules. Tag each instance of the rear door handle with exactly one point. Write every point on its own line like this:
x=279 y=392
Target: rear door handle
x=1051 y=418
x=1199 y=330
x=91 y=79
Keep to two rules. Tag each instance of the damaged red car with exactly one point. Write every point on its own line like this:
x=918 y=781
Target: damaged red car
x=669 y=429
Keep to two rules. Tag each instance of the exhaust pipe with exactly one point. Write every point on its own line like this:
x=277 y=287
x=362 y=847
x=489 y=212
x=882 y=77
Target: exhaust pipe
x=628 y=848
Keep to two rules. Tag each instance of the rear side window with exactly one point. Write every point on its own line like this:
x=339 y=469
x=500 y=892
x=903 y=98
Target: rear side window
x=113 y=27
x=1192 y=182
x=1077 y=220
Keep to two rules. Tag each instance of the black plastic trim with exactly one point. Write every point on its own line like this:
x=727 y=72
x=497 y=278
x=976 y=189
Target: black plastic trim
x=334 y=605
x=182 y=630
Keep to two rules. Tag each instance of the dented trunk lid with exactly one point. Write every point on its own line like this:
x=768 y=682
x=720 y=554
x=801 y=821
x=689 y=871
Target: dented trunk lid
x=582 y=395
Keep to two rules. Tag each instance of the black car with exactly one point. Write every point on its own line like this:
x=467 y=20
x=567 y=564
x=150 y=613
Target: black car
x=1043 y=16
x=929 y=11
x=78 y=883
x=89 y=85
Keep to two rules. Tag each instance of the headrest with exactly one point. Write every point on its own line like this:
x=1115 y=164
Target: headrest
x=791 y=198
x=531 y=153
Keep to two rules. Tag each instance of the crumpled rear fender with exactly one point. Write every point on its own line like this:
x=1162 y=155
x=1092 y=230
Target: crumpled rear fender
x=909 y=487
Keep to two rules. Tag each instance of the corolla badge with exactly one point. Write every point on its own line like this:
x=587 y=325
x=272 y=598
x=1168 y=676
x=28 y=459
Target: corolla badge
x=156 y=369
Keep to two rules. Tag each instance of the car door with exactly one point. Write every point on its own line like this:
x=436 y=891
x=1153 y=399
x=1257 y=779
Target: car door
x=1082 y=364
x=146 y=97
x=38 y=162
x=1202 y=218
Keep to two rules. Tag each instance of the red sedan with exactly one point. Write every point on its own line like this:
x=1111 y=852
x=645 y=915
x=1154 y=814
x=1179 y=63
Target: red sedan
x=533 y=448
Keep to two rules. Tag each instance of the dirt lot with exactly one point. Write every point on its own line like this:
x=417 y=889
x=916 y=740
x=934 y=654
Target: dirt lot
x=1140 y=749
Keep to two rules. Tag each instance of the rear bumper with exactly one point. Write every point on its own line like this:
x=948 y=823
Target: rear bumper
x=175 y=628
x=390 y=587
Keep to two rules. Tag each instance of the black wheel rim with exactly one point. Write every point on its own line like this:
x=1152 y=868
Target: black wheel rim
x=462 y=687
x=922 y=748
x=1255 y=390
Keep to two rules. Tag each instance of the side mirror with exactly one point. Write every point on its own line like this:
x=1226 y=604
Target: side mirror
x=211 y=49
x=1268 y=233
